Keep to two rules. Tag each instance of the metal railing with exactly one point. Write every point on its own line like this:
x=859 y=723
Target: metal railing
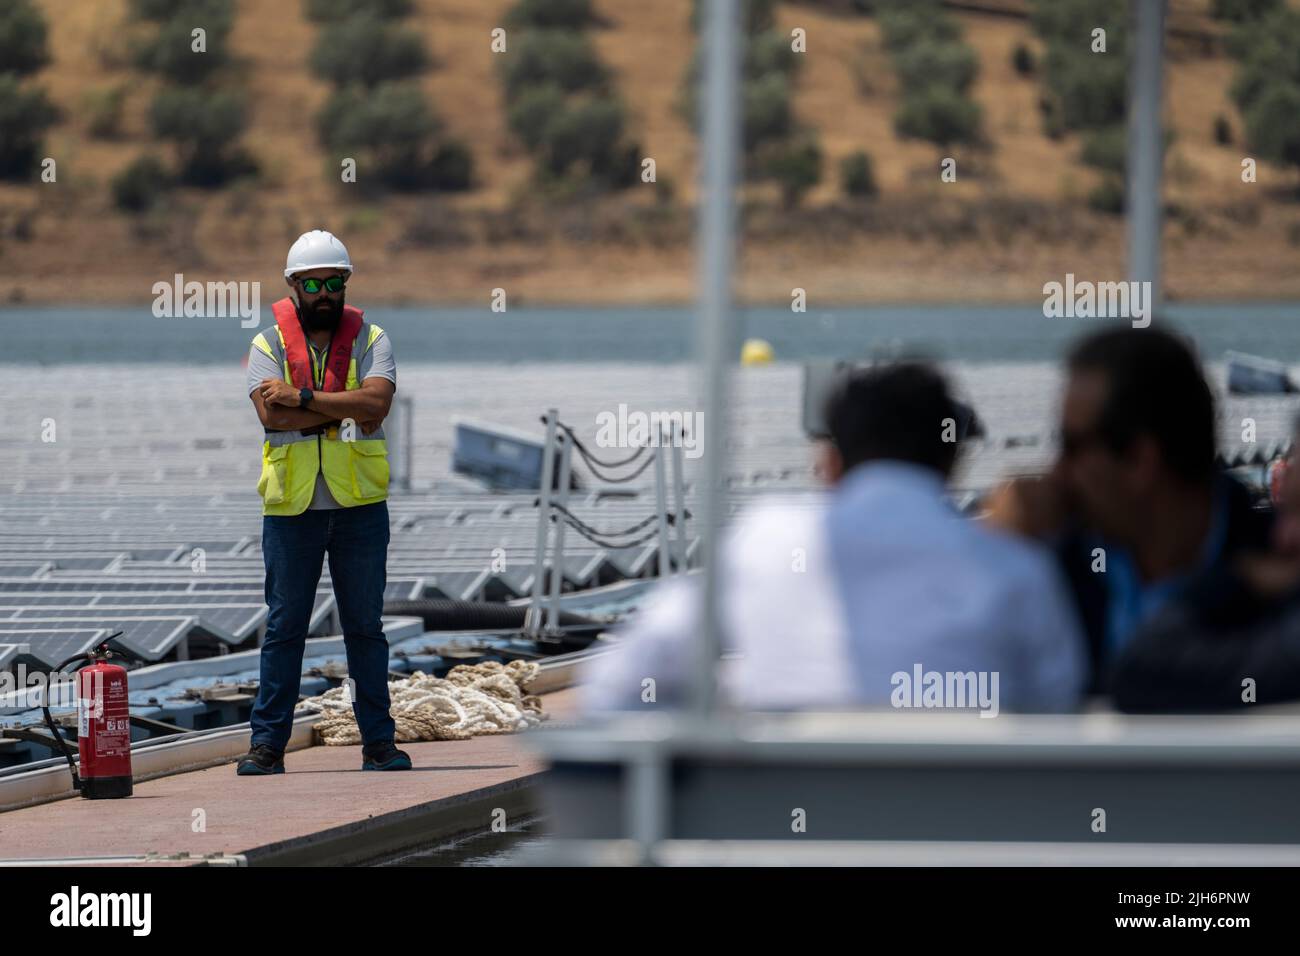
x=554 y=515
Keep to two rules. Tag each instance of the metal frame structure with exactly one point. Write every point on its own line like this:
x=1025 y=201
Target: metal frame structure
x=543 y=615
x=720 y=149
x=871 y=784
x=1146 y=147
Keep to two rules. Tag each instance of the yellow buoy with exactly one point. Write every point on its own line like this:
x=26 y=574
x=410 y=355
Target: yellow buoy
x=756 y=352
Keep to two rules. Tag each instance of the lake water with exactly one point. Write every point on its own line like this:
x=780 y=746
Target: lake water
x=52 y=335
x=483 y=849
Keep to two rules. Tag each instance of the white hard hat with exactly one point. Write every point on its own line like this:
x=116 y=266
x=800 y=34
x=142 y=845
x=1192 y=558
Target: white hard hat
x=317 y=249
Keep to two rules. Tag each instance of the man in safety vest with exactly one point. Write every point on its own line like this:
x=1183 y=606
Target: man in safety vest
x=322 y=379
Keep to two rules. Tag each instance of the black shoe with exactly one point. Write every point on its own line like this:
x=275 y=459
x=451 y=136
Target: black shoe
x=384 y=756
x=260 y=759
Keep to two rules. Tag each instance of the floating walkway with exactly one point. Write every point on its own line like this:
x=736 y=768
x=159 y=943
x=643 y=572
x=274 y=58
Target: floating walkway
x=322 y=811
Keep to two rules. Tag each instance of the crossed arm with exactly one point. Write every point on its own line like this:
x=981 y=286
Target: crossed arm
x=277 y=405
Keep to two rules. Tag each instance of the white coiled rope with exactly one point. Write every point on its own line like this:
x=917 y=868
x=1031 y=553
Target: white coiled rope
x=473 y=699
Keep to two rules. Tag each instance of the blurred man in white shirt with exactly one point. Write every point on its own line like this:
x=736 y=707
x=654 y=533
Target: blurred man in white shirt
x=877 y=594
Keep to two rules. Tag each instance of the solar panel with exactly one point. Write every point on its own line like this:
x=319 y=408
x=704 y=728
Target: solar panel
x=460 y=585
x=233 y=595
x=204 y=583
x=104 y=537
x=10 y=654
x=519 y=581
x=150 y=637
x=156 y=554
x=26 y=569
x=184 y=599
x=631 y=562
x=83 y=584
x=214 y=547
x=228 y=609
x=581 y=569
x=228 y=622
x=404 y=589
x=24 y=599
x=45 y=648
x=82 y=564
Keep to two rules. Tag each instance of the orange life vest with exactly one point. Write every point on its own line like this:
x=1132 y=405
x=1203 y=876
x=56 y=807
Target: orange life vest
x=295 y=346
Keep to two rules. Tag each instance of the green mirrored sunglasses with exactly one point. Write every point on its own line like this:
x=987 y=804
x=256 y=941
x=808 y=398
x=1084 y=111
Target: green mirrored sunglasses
x=332 y=284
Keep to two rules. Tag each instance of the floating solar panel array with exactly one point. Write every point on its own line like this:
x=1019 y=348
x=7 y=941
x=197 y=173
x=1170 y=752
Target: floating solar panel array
x=129 y=502
x=176 y=591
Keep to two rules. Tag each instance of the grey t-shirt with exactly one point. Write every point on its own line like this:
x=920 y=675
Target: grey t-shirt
x=376 y=363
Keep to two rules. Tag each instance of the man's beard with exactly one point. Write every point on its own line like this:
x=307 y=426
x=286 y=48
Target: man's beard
x=323 y=315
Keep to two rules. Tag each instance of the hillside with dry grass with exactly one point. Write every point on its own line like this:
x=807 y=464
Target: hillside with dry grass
x=1016 y=216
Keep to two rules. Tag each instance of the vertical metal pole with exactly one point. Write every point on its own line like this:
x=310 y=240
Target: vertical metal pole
x=722 y=28
x=645 y=798
x=661 y=507
x=679 y=502
x=399 y=430
x=1146 y=147
x=397 y=445
x=557 y=562
x=543 y=523
x=408 y=442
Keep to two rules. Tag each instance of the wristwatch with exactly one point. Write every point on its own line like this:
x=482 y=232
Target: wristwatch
x=304 y=396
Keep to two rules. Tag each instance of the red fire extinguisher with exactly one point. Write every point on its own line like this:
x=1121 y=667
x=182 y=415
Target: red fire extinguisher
x=103 y=727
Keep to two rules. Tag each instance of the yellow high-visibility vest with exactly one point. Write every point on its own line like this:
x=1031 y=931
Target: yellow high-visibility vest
x=355 y=466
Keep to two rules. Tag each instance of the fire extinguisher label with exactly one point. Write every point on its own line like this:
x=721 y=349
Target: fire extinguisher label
x=114 y=739
x=86 y=709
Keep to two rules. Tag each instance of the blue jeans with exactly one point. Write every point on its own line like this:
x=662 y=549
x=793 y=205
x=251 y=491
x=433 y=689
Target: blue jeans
x=294 y=547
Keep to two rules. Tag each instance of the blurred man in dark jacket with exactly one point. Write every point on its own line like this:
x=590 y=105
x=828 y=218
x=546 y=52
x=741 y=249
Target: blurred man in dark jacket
x=1233 y=640
x=1135 y=506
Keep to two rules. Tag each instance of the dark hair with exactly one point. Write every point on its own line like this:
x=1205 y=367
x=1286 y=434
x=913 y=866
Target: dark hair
x=1155 y=386
x=900 y=411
